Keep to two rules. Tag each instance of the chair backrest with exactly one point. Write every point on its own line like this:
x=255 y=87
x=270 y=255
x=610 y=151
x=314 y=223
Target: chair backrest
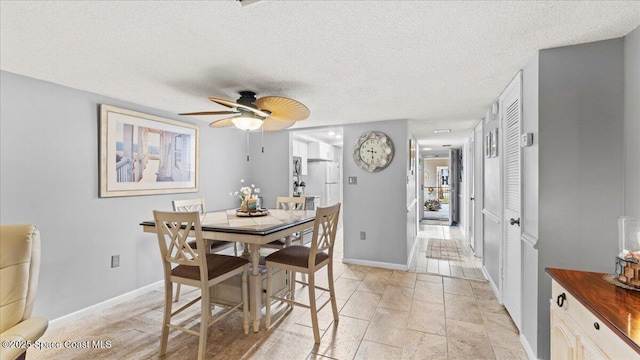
x=291 y=202
x=324 y=231
x=189 y=205
x=173 y=229
x=19 y=270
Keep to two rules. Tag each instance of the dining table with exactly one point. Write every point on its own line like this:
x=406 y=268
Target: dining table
x=253 y=230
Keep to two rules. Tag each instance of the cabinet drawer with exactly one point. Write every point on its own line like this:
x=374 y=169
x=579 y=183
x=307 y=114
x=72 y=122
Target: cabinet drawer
x=597 y=333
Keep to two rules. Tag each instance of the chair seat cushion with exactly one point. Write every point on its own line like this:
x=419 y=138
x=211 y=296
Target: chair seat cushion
x=217 y=265
x=296 y=255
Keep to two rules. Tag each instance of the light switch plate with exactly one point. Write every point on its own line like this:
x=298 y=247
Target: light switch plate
x=353 y=180
x=526 y=139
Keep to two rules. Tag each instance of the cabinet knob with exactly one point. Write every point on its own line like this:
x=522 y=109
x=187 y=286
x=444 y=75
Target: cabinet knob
x=596 y=325
x=560 y=300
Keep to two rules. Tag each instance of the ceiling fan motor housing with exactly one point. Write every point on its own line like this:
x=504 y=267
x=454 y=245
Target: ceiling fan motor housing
x=247 y=98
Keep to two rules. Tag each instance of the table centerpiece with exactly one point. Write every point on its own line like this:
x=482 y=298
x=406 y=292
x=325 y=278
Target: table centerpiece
x=249 y=198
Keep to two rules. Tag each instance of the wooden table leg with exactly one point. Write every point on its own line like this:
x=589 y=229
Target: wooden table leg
x=287 y=240
x=255 y=287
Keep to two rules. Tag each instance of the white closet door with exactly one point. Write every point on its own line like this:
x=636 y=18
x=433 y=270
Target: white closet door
x=511 y=118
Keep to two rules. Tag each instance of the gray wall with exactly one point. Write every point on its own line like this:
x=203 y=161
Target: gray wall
x=632 y=123
x=375 y=205
x=49 y=177
x=271 y=171
x=573 y=173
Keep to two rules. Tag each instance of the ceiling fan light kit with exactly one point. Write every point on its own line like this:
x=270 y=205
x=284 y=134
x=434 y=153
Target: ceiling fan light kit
x=272 y=113
x=269 y=113
x=247 y=122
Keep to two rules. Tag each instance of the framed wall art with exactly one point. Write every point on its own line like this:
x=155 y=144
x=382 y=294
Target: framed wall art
x=494 y=142
x=143 y=154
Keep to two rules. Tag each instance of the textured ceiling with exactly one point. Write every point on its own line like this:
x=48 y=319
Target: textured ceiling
x=438 y=64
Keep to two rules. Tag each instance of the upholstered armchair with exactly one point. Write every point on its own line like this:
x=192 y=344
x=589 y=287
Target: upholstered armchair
x=19 y=267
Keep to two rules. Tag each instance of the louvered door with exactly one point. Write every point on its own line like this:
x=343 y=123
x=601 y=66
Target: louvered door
x=511 y=116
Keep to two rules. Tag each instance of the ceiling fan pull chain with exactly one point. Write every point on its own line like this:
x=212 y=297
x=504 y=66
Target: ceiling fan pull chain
x=262 y=137
x=247 y=131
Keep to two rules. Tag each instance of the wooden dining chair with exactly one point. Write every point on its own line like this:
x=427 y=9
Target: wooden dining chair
x=216 y=245
x=308 y=260
x=288 y=203
x=194 y=267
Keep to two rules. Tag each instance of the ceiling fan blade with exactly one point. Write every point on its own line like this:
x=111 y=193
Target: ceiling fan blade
x=232 y=104
x=270 y=124
x=223 y=122
x=224 y=102
x=283 y=109
x=210 y=113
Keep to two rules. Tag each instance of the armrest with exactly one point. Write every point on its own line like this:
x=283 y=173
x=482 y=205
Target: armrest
x=29 y=330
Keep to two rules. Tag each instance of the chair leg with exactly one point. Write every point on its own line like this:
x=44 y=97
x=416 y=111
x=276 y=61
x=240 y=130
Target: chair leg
x=303 y=276
x=177 y=298
x=168 y=297
x=267 y=318
x=245 y=301
x=332 y=291
x=204 y=322
x=313 y=308
x=292 y=285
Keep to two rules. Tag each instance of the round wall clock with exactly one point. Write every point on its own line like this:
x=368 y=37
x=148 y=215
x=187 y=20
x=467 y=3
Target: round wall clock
x=373 y=151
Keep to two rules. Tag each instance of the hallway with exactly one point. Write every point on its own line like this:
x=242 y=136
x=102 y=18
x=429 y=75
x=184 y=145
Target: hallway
x=442 y=214
x=441 y=250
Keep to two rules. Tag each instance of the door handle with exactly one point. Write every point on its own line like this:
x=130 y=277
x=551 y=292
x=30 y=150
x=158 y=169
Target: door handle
x=472 y=198
x=514 y=221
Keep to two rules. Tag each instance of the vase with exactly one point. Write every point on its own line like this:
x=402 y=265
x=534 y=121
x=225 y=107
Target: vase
x=249 y=205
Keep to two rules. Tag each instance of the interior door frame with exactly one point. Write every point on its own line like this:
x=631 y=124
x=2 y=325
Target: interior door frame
x=478 y=169
x=469 y=175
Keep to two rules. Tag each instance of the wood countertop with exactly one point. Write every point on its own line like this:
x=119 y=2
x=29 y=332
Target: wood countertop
x=616 y=307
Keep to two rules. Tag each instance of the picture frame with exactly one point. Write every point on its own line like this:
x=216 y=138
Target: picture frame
x=142 y=154
x=412 y=156
x=494 y=143
x=487 y=145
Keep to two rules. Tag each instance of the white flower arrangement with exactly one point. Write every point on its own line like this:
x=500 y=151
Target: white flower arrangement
x=246 y=192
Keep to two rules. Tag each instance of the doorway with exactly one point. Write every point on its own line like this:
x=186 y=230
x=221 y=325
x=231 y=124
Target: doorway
x=436 y=189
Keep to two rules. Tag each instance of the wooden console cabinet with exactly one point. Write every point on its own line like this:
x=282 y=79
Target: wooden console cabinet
x=591 y=318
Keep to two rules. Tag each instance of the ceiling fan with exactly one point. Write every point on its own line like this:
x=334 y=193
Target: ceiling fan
x=272 y=113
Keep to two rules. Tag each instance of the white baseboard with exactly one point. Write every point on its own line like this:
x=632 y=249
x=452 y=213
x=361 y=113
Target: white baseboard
x=527 y=348
x=65 y=319
x=413 y=249
x=376 y=264
x=496 y=291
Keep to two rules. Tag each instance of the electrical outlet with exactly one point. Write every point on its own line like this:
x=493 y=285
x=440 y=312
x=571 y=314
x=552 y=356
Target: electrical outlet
x=115 y=261
x=363 y=235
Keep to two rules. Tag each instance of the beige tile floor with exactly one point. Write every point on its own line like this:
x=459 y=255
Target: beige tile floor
x=384 y=314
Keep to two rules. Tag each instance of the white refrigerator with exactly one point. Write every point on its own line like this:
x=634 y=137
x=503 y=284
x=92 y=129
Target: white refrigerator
x=323 y=179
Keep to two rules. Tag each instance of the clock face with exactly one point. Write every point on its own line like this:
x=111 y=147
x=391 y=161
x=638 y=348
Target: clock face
x=373 y=151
